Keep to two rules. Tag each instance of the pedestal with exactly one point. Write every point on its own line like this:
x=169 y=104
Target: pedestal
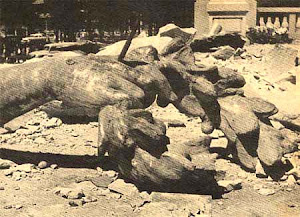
x=232 y=15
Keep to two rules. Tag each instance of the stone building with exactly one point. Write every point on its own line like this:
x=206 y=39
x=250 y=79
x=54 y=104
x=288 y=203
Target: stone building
x=239 y=15
x=233 y=15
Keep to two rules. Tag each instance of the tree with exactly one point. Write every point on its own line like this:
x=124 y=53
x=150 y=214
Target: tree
x=16 y=14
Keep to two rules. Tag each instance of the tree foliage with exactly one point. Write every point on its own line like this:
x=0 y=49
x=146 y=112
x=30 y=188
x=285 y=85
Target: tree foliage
x=107 y=15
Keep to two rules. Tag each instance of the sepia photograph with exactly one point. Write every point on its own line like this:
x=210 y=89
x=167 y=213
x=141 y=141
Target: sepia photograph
x=149 y=108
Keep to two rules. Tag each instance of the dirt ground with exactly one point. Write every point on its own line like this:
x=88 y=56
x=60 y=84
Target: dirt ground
x=71 y=150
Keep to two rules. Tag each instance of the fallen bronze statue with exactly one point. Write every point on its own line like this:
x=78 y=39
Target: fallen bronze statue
x=130 y=135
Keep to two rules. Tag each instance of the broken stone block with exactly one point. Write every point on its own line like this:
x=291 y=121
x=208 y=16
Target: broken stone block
x=24 y=132
x=173 y=46
x=89 y=199
x=289 y=121
x=17 y=176
x=230 y=84
x=238 y=52
x=230 y=92
x=69 y=193
x=110 y=173
x=138 y=200
x=102 y=181
x=228 y=78
x=18 y=206
x=85 y=186
x=219 y=146
x=8 y=207
x=73 y=203
x=261 y=108
x=184 y=56
x=151 y=78
x=173 y=31
x=224 y=53
x=190 y=105
x=174 y=123
x=42 y=165
x=3 y=131
x=9 y=172
x=195 y=149
x=216 y=134
x=147 y=54
x=115 y=49
x=227 y=130
x=103 y=192
x=75 y=194
x=33 y=129
x=40 y=141
x=204 y=161
x=205 y=44
x=198 y=145
x=19 y=122
x=54 y=166
x=259 y=171
x=121 y=187
x=266 y=191
x=27 y=168
x=202 y=88
x=237 y=114
x=113 y=195
x=5 y=164
x=178 y=204
x=159 y=209
x=269 y=148
x=169 y=167
x=291 y=181
x=140 y=128
x=230 y=185
x=53 y=122
x=220 y=143
x=246 y=153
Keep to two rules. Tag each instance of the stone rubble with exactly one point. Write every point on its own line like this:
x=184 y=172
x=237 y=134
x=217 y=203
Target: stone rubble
x=224 y=53
x=230 y=185
x=42 y=165
x=266 y=191
x=273 y=145
x=174 y=204
x=5 y=164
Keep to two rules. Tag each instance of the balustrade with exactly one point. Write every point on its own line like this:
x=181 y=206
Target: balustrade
x=238 y=15
x=280 y=17
x=279 y=22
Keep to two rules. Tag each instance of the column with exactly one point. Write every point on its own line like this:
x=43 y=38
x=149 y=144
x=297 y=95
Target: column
x=292 y=25
x=252 y=14
x=201 y=19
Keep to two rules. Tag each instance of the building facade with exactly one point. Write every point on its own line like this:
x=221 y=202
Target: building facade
x=239 y=15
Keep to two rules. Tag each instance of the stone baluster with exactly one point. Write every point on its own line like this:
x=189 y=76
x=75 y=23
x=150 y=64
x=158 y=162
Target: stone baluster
x=277 y=23
x=285 y=23
x=269 y=23
x=298 y=23
x=262 y=22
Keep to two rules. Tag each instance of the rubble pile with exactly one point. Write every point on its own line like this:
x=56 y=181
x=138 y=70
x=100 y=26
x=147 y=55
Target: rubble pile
x=270 y=74
x=220 y=102
x=199 y=78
